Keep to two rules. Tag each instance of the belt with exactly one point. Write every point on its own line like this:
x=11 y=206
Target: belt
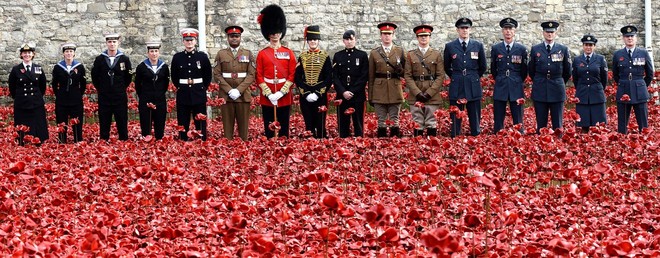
x=274 y=81
x=191 y=81
x=387 y=75
x=234 y=75
x=632 y=77
x=423 y=78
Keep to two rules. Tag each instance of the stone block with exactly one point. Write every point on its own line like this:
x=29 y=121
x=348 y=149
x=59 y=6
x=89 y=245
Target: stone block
x=96 y=8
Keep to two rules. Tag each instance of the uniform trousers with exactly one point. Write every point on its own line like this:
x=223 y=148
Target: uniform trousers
x=474 y=117
x=282 y=117
x=120 y=113
x=183 y=115
x=63 y=114
x=499 y=113
x=385 y=111
x=641 y=115
x=155 y=117
x=357 y=118
x=235 y=113
x=425 y=117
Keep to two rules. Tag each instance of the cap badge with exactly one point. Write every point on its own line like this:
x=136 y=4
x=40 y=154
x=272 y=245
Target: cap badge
x=629 y=29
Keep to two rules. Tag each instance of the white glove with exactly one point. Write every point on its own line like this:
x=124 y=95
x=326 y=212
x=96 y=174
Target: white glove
x=312 y=97
x=278 y=95
x=234 y=94
x=273 y=99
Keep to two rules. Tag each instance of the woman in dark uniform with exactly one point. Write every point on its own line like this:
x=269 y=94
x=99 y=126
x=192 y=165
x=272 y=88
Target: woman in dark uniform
x=590 y=79
x=27 y=85
x=152 y=77
x=69 y=86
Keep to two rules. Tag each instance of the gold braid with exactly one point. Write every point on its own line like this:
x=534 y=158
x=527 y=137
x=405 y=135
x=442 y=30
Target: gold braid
x=312 y=63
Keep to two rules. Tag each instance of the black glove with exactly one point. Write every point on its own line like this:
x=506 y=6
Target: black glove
x=427 y=96
x=420 y=97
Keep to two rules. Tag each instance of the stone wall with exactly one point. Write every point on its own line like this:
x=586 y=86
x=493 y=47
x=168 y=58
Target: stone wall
x=49 y=23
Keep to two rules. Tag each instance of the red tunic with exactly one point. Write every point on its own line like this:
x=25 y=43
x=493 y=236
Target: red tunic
x=285 y=67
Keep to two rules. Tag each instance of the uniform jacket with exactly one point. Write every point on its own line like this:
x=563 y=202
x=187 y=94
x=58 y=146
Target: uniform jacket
x=306 y=61
x=465 y=69
x=194 y=67
x=268 y=61
x=69 y=84
x=549 y=71
x=150 y=84
x=384 y=90
x=590 y=78
x=234 y=72
x=633 y=75
x=509 y=70
x=111 y=81
x=351 y=73
x=27 y=88
x=427 y=77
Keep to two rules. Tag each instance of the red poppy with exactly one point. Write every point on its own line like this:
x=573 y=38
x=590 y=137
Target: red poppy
x=274 y=126
x=200 y=117
x=323 y=109
x=419 y=104
x=625 y=98
x=349 y=111
x=151 y=106
x=461 y=101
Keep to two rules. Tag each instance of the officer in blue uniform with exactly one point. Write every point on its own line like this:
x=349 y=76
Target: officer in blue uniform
x=191 y=74
x=509 y=68
x=350 y=76
x=550 y=69
x=111 y=75
x=152 y=78
x=633 y=72
x=465 y=62
x=69 y=85
x=27 y=85
x=590 y=79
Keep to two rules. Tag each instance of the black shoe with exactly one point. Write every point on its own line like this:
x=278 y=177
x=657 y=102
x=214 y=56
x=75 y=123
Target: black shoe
x=382 y=132
x=418 y=132
x=432 y=131
x=395 y=132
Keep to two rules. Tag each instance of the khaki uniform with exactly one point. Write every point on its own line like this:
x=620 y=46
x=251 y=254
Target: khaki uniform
x=381 y=89
x=418 y=78
x=235 y=72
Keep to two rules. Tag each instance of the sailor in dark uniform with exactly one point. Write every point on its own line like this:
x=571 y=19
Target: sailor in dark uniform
x=27 y=85
x=69 y=86
x=191 y=74
x=590 y=79
x=632 y=68
x=111 y=76
x=509 y=68
x=350 y=76
x=465 y=62
x=550 y=69
x=152 y=78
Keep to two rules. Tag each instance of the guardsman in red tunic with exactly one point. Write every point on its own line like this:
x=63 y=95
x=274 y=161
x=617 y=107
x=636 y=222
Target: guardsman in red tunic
x=276 y=65
x=234 y=71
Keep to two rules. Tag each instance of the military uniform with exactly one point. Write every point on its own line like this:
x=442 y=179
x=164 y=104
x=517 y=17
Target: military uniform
x=351 y=71
x=550 y=70
x=590 y=80
x=111 y=76
x=276 y=66
x=235 y=71
x=633 y=73
x=69 y=85
x=424 y=74
x=313 y=77
x=191 y=74
x=465 y=66
x=27 y=85
x=509 y=68
x=151 y=83
x=385 y=90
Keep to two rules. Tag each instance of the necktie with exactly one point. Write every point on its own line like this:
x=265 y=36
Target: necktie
x=234 y=51
x=548 y=48
x=588 y=58
x=464 y=45
x=630 y=53
x=423 y=51
x=508 y=49
x=387 y=50
x=27 y=67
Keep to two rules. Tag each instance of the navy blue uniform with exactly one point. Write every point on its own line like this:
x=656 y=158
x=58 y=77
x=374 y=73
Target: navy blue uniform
x=351 y=73
x=191 y=74
x=111 y=81
x=151 y=85
x=27 y=88
x=69 y=85
x=465 y=69
x=633 y=75
x=550 y=70
x=509 y=68
x=590 y=79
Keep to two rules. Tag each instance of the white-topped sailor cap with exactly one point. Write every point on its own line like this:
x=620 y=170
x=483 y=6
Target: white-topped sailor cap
x=68 y=46
x=111 y=36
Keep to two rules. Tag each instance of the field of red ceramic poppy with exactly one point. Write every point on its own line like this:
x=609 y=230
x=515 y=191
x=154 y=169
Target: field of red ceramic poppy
x=562 y=193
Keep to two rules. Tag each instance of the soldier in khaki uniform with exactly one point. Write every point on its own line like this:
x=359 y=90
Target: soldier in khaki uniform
x=234 y=71
x=386 y=68
x=424 y=76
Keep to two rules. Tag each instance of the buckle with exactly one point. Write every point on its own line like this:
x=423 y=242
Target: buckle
x=389 y=76
x=630 y=76
x=190 y=81
x=547 y=76
x=464 y=72
x=507 y=73
x=348 y=78
x=234 y=75
x=421 y=78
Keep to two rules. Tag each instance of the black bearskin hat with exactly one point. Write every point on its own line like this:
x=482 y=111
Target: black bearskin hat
x=272 y=20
